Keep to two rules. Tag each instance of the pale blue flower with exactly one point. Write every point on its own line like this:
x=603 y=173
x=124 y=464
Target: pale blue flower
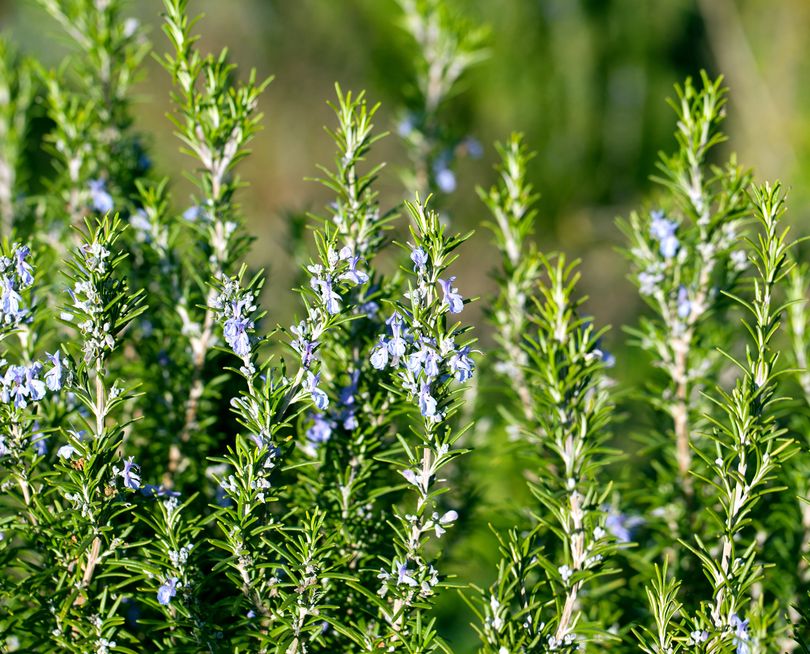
x=474 y=148
x=320 y=431
x=445 y=179
x=131 y=474
x=660 y=227
x=663 y=231
x=66 y=451
x=397 y=345
x=415 y=361
x=15 y=386
x=452 y=299
x=379 y=355
x=648 y=281
x=742 y=638
x=11 y=302
x=369 y=309
x=353 y=275
x=24 y=269
x=36 y=387
x=669 y=247
x=53 y=378
x=684 y=304
x=39 y=441
x=427 y=403
x=461 y=365
x=141 y=224
x=419 y=258
x=431 y=364
x=406 y=125
x=319 y=397
x=235 y=332
x=330 y=298
x=99 y=197
x=192 y=214
x=167 y=591
x=404 y=576
x=150 y=490
x=622 y=526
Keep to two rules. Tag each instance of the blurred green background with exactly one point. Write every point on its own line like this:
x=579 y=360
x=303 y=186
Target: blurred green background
x=585 y=80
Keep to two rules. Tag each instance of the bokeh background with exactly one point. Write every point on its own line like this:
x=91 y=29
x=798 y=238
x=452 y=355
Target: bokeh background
x=585 y=80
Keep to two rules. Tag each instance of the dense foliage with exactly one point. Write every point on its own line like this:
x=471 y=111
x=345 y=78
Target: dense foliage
x=180 y=475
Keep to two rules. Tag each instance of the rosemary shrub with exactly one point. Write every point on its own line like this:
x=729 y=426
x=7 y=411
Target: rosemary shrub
x=179 y=473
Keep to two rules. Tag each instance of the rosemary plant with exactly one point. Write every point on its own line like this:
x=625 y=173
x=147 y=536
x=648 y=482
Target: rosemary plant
x=181 y=473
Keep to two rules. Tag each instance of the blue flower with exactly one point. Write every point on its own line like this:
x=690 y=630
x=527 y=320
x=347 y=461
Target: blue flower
x=36 y=387
x=320 y=431
x=236 y=335
x=99 y=198
x=414 y=361
x=193 y=213
x=330 y=298
x=167 y=591
x=669 y=247
x=622 y=526
x=379 y=355
x=397 y=345
x=24 y=269
x=742 y=638
x=404 y=576
x=369 y=309
x=53 y=378
x=426 y=359
x=353 y=275
x=307 y=352
x=427 y=404
x=66 y=451
x=445 y=178
x=150 y=490
x=319 y=397
x=461 y=365
x=131 y=474
x=10 y=302
x=474 y=148
x=419 y=258
x=452 y=299
x=304 y=347
x=648 y=281
x=431 y=364
x=406 y=126
x=663 y=231
x=142 y=225
x=15 y=387
x=684 y=303
x=347 y=392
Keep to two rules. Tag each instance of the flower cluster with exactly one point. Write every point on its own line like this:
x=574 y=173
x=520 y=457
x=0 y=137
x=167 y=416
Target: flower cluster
x=22 y=384
x=16 y=275
x=338 y=266
x=421 y=362
x=663 y=231
x=89 y=299
x=235 y=309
